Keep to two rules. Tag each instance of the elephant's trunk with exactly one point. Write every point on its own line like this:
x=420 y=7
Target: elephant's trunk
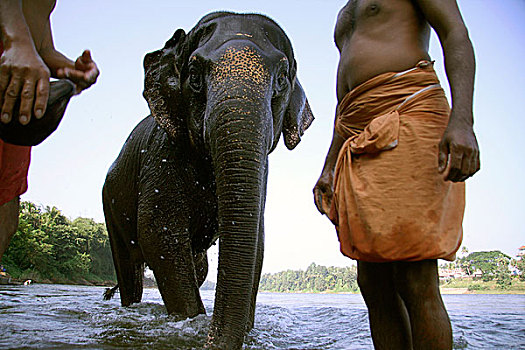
x=239 y=155
x=239 y=131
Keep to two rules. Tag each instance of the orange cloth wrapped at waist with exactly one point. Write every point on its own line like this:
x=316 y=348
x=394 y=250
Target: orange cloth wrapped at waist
x=390 y=202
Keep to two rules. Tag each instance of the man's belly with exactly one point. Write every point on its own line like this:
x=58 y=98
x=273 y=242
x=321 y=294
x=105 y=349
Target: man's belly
x=363 y=60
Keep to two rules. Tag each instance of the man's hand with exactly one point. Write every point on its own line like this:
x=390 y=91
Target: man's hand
x=84 y=74
x=458 y=152
x=23 y=74
x=323 y=192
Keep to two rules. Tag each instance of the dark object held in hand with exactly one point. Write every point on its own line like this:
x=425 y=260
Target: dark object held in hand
x=38 y=130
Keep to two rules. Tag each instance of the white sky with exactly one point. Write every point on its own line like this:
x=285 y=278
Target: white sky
x=69 y=168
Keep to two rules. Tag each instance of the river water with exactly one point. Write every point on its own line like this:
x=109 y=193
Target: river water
x=76 y=317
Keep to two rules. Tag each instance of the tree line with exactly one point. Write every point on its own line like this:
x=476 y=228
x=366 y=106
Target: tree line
x=49 y=247
x=315 y=279
x=483 y=266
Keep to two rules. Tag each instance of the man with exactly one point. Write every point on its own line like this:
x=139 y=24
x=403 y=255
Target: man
x=28 y=59
x=398 y=159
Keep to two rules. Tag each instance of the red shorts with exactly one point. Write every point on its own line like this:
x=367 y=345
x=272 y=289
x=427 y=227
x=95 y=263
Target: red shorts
x=14 y=165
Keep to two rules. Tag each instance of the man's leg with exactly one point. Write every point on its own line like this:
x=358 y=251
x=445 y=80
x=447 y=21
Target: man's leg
x=418 y=285
x=388 y=317
x=8 y=223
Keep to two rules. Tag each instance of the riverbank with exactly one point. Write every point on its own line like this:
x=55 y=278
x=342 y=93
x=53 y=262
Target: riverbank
x=472 y=286
x=444 y=291
x=459 y=286
x=18 y=277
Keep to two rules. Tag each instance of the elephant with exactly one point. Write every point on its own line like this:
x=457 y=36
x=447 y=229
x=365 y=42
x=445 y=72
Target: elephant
x=195 y=170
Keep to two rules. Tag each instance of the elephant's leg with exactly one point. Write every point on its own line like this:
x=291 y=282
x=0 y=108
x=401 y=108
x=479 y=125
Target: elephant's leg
x=201 y=267
x=127 y=258
x=166 y=246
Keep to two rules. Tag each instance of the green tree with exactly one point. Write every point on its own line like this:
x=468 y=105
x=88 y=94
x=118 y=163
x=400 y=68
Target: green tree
x=47 y=245
x=491 y=264
x=316 y=278
x=520 y=265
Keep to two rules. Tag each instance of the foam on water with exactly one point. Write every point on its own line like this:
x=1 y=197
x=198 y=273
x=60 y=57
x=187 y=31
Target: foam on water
x=68 y=317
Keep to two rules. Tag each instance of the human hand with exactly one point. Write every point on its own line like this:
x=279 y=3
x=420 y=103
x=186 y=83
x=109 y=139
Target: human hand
x=458 y=152
x=323 y=192
x=23 y=75
x=84 y=74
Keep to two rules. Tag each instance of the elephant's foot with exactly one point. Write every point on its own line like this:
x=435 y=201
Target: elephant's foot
x=130 y=284
x=224 y=342
x=179 y=292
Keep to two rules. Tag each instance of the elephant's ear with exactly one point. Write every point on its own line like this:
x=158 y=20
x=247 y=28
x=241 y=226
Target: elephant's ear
x=297 y=118
x=162 y=83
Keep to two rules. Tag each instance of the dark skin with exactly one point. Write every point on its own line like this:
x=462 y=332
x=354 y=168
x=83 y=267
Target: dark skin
x=378 y=36
x=28 y=60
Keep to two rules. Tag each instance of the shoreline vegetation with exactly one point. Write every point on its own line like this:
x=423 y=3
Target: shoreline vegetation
x=50 y=248
x=343 y=280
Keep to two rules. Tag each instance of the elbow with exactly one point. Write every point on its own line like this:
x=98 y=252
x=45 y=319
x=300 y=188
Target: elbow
x=457 y=37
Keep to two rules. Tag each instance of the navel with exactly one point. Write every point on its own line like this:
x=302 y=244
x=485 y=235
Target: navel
x=372 y=9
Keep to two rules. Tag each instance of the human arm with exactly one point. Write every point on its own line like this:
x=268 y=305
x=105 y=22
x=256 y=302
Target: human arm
x=458 y=150
x=83 y=72
x=30 y=58
x=22 y=71
x=323 y=190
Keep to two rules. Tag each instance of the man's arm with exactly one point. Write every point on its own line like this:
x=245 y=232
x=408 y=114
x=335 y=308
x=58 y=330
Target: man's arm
x=22 y=71
x=30 y=58
x=458 y=150
x=83 y=72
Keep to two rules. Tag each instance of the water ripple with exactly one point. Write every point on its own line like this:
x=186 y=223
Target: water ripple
x=76 y=317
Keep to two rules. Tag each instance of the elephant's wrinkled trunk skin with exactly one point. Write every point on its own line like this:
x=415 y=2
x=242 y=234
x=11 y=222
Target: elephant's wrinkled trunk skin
x=239 y=127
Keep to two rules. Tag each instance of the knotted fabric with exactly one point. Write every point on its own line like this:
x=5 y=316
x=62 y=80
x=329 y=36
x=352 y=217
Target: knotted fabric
x=390 y=202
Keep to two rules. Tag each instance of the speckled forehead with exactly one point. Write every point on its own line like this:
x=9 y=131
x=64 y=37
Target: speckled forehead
x=243 y=63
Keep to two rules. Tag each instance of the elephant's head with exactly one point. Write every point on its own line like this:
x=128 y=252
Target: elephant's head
x=243 y=58
x=229 y=87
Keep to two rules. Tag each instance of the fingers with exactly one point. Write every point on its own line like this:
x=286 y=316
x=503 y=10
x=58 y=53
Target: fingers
x=24 y=79
x=318 y=200
x=4 y=82
x=26 y=101
x=42 y=94
x=33 y=99
x=443 y=157
x=463 y=163
x=323 y=196
x=85 y=58
x=72 y=74
x=11 y=93
x=84 y=74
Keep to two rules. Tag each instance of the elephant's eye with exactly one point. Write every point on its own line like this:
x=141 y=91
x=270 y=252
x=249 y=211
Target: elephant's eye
x=195 y=79
x=282 y=81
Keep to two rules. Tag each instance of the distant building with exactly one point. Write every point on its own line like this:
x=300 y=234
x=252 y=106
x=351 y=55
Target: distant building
x=447 y=274
x=521 y=252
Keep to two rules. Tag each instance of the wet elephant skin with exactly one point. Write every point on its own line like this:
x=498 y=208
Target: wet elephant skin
x=195 y=170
